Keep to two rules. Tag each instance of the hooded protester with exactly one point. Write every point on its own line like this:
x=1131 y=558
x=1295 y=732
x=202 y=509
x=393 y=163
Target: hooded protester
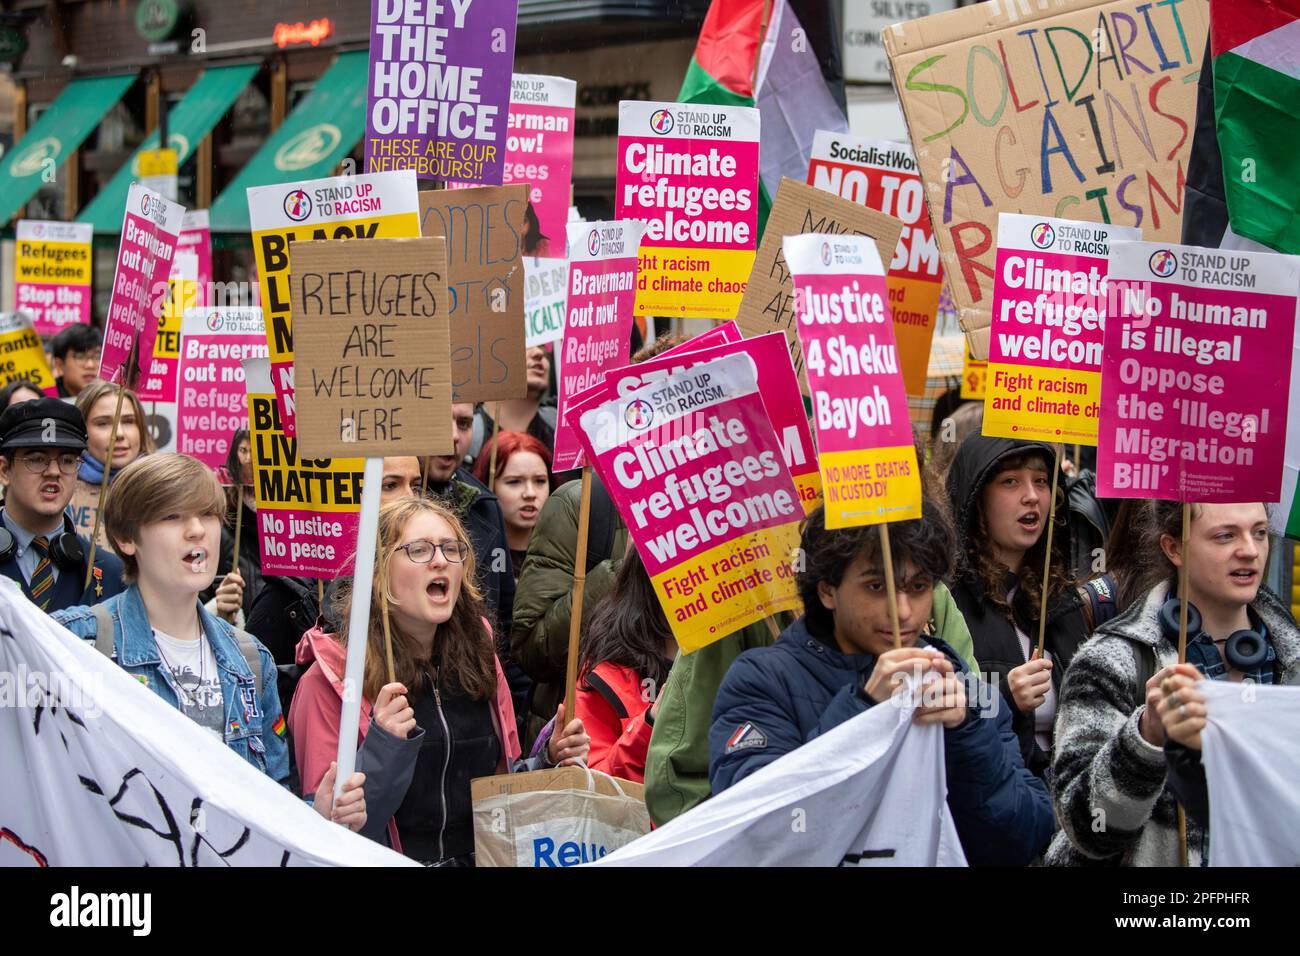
x=999 y=490
x=1128 y=730
x=839 y=660
x=447 y=719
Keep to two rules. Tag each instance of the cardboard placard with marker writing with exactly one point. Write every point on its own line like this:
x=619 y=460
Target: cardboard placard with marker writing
x=371 y=347
x=768 y=305
x=483 y=228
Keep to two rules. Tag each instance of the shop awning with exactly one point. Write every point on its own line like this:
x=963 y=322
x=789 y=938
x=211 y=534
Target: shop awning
x=309 y=144
x=61 y=129
x=209 y=99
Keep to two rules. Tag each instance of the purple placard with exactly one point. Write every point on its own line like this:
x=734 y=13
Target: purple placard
x=439 y=88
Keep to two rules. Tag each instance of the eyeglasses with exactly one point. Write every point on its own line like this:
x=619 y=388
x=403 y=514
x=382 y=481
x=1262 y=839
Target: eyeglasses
x=422 y=551
x=38 y=461
x=86 y=358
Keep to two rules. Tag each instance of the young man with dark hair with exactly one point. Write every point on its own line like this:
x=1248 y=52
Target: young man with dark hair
x=75 y=354
x=839 y=659
x=40 y=450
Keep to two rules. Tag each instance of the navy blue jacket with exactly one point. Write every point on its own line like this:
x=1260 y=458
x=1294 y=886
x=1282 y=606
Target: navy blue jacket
x=69 y=588
x=801 y=687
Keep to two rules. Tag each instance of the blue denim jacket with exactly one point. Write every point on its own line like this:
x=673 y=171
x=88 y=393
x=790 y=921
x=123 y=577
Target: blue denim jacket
x=254 y=728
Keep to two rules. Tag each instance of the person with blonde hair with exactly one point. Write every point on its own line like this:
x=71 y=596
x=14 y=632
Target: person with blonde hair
x=445 y=717
x=164 y=520
x=97 y=403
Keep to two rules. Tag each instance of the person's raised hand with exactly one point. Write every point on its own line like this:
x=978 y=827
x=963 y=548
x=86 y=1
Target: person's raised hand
x=393 y=712
x=1030 y=682
x=569 y=746
x=894 y=665
x=349 y=810
x=230 y=595
x=1182 y=706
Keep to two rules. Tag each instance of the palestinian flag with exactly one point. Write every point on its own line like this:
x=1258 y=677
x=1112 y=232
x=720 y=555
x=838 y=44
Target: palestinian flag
x=1243 y=177
x=757 y=53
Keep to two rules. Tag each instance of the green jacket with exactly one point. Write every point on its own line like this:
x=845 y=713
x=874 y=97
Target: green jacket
x=539 y=636
x=677 y=764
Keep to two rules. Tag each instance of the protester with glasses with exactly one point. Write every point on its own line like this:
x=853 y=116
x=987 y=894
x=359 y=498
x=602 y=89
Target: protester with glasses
x=446 y=719
x=40 y=451
x=75 y=356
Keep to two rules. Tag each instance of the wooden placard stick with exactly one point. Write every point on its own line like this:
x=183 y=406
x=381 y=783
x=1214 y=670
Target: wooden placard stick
x=496 y=439
x=239 y=524
x=579 y=585
x=128 y=365
x=1182 y=656
x=1047 y=560
x=887 y=556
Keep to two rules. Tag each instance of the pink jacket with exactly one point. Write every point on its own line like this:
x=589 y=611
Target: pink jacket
x=315 y=712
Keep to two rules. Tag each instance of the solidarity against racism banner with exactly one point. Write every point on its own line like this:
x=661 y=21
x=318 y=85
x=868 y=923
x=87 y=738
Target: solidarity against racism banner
x=96 y=770
x=150 y=228
x=1079 y=109
x=485 y=277
x=159 y=382
x=768 y=304
x=308 y=509
x=196 y=237
x=864 y=437
x=212 y=401
x=695 y=471
x=1049 y=319
x=545 y=297
x=439 y=90
x=690 y=173
x=52 y=268
x=777 y=384
x=382 y=206
x=373 y=355
x=598 y=329
x=871 y=792
x=1195 y=373
x=882 y=175
x=22 y=356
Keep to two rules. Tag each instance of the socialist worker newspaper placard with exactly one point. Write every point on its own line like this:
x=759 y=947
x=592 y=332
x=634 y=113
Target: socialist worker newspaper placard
x=695 y=470
x=1196 y=372
x=864 y=437
x=690 y=173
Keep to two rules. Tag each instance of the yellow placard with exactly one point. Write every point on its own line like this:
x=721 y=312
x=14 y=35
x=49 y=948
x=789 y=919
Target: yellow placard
x=704 y=283
x=1026 y=401
x=974 y=377
x=157 y=162
x=21 y=354
x=870 y=486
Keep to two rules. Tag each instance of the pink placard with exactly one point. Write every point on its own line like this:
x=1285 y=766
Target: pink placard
x=196 y=237
x=1195 y=373
x=598 y=326
x=212 y=401
x=150 y=228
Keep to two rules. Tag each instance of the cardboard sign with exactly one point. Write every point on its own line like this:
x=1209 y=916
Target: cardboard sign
x=974 y=376
x=698 y=479
x=150 y=228
x=485 y=270
x=768 y=304
x=52 y=267
x=212 y=402
x=882 y=176
x=1077 y=108
x=1049 y=317
x=690 y=173
x=196 y=237
x=598 y=329
x=308 y=510
x=864 y=437
x=372 y=347
x=382 y=206
x=439 y=88
x=159 y=381
x=1195 y=373
x=545 y=298
x=22 y=357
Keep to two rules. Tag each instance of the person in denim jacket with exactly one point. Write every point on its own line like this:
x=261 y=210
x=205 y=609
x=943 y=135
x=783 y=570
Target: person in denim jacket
x=163 y=517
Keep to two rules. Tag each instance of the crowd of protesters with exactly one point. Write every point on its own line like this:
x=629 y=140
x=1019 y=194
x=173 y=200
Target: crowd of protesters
x=1053 y=674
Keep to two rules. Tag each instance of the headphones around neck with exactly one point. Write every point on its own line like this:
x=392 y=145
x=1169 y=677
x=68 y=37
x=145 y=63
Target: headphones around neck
x=1245 y=650
x=66 y=551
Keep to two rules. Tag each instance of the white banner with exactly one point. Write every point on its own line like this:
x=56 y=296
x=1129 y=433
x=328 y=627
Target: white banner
x=1252 y=762
x=871 y=792
x=95 y=770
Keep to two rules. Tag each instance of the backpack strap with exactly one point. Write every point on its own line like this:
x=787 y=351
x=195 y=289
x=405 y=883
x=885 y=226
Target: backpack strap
x=1097 y=601
x=601 y=687
x=478 y=435
x=252 y=656
x=1144 y=659
x=104 y=631
x=601 y=525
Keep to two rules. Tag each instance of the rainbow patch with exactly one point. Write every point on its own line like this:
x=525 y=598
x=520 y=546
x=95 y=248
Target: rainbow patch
x=278 y=727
